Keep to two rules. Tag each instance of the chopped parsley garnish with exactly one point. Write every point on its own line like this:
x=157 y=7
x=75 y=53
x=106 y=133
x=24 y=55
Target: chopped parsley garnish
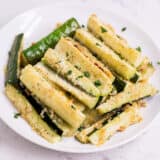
x=151 y=65
x=73 y=107
x=158 y=62
x=16 y=115
x=97 y=44
x=69 y=72
x=57 y=62
x=118 y=36
x=123 y=29
x=97 y=83
x=80 y=128
x=86 y=74
x=77 y=67
x=103 y=29
x=81 y=76
x=67 y=54
x=139 y=49
x=83 y=26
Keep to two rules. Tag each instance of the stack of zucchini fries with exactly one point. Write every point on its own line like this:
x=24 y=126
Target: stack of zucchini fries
x=85 y=82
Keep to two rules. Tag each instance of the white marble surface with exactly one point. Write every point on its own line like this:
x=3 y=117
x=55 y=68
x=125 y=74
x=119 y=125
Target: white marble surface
x=144 y=12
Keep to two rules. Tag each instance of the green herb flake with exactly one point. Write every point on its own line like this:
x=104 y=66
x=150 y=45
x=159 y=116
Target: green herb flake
x=57 y=62
x=97 y=83
x=139 y=49
x=73 y=107
x=77 y=67
x=67 y=54
x=81 y=76
x=69 y=72
x=123 y=29
x=16 y=115
x=158 y=62
x=118 y=36
x=86 y=74
x=151 y=65
x=97 y=44
x=103 y=30
x=81 y=128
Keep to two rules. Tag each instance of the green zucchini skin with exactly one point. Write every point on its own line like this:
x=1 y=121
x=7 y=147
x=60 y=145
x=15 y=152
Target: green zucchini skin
x=13 y=65
x=135 y=78
x=119 y=84
x=35 y=52
x=38 y=108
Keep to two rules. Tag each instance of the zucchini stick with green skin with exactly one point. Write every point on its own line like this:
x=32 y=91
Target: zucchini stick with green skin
x=13 y=66
x=49 y=74
x=51 y=96
x=82 y=135
x=28 y=112
x=116 y=80
x=131 y=93
x=94 y=60
x=35 y=52
x=66 y=47
x=20 y=101
x=109 y=38
x=108 y=56
x=57 y=62
x=129 y=116
x=49 y=116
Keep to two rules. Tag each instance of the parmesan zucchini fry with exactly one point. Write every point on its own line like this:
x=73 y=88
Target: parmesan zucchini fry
x=67 y=48
x=51 y=96
x=118 y=83
x=110 y=38
x=28 y=112
x=82 y=135
x=131 y=93
x=128 y=117
x=94 y=60
x=35 y=52
x=108 y=56
x=57 y=62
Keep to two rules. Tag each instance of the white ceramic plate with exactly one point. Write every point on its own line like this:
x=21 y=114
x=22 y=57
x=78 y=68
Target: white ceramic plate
x=37 y=23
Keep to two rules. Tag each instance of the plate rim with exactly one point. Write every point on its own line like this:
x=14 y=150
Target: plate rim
x=69 y=150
